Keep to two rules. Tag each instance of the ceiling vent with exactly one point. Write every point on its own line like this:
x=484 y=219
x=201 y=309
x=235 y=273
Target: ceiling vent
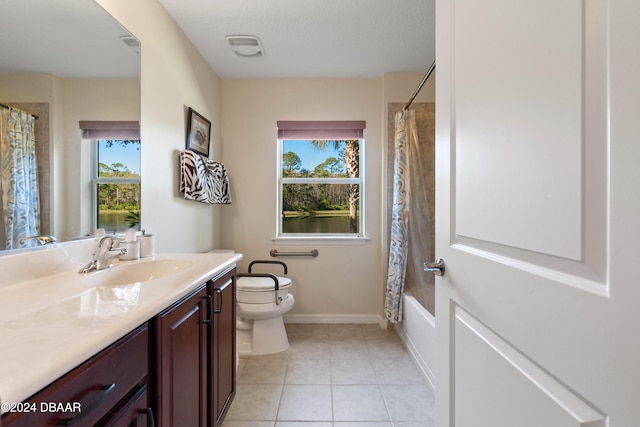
x=130 y=41
x=246 y=46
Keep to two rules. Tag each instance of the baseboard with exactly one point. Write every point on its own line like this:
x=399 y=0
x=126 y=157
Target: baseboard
x=336 y=318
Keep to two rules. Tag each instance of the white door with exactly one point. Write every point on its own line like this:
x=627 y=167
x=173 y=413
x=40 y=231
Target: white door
x=538 y=213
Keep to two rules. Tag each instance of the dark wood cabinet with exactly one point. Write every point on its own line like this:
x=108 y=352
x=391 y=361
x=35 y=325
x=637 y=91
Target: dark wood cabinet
x=195 y=356
x=96 y=393
x=181 y=345
x=223 y=347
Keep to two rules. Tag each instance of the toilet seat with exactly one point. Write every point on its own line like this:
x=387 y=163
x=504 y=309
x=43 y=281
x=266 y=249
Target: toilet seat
x=258 y=284
x=261 y=290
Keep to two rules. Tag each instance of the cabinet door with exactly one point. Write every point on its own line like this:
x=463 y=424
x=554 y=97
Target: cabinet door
x=223 y=346
x=181 y=351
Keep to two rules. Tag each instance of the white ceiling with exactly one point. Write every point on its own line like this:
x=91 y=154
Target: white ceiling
x=302 y=38
x=67 y=38
x=311 y=38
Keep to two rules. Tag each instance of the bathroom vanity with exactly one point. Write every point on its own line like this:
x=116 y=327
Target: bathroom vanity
x=99 y=349
x=195 y=355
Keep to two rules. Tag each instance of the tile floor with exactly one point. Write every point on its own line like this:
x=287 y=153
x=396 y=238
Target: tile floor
x=333 y=376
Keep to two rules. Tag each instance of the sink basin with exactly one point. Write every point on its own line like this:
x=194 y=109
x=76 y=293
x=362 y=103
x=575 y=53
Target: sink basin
x=122 y=274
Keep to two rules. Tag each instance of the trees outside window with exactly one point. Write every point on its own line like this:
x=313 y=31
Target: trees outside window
x=117 y=185
x=320 y=187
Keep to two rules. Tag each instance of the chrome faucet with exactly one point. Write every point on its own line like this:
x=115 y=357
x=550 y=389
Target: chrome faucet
x=103 y=258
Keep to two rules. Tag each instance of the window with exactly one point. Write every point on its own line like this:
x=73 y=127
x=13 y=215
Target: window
x=116 y=175
x=320 y=181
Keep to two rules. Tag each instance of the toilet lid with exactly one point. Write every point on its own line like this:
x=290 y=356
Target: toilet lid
x=249 y=284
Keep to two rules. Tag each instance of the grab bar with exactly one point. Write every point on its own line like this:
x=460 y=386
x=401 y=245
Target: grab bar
x=260 y=261
x=313 y=253
x=271 y=276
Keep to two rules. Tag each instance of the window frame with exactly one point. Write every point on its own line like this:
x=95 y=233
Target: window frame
x=94 y=131
x=96 y=179
x=281 y=181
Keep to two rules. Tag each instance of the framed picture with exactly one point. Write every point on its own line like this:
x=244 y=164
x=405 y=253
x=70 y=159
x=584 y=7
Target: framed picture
x=198 y=133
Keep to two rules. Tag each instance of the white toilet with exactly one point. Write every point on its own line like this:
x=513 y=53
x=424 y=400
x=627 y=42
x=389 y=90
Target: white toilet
x=259 y=313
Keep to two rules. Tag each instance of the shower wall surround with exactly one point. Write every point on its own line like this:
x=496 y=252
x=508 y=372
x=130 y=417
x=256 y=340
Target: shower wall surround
x=417 y=282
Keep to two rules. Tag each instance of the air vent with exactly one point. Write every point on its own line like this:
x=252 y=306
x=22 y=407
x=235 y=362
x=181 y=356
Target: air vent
x=246 y=46
x=130 y=41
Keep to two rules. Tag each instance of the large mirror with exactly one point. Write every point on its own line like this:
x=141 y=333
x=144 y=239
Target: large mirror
x=66 y=61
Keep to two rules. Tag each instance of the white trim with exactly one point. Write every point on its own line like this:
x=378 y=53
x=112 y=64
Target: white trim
x=280 y=181
x=96 y=179
x=93 y=205
x=311 y=180
x=105 y=180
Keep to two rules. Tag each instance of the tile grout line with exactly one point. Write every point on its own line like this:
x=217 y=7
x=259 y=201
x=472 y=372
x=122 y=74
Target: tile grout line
x=333 y=412
x=284 y=382
x=379 y=381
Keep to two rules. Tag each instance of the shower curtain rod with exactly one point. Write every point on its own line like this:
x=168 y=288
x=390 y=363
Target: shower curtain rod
x=8 y=108
x=426 y=76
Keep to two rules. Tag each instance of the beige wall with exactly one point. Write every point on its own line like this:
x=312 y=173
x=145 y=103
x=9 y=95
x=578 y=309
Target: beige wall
x=344 y=281
x=399 y=87
x=89 y=99
x=174 y=76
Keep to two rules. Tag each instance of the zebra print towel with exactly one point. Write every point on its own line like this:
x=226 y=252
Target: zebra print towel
x=203 y=180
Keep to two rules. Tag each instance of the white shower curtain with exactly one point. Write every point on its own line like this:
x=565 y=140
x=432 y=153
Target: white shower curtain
x=18 y=177
x=405 y=135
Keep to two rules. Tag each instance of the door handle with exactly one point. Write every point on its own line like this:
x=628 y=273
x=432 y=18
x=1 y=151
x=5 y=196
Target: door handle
x=436 y=267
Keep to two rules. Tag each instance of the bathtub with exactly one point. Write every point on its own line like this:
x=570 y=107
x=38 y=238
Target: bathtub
x=418 y=332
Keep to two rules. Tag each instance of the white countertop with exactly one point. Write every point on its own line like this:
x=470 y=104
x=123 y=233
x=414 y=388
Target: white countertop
x=50 y=325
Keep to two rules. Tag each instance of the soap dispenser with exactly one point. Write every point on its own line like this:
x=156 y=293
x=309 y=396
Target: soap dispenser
x=132 y=245
x=147 y=245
